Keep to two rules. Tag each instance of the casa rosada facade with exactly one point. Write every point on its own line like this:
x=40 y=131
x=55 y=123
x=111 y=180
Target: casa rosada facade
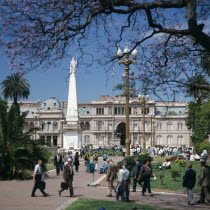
x=102 y=122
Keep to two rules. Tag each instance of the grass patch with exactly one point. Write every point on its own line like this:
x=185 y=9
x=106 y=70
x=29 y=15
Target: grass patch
x=168 y=183
x=93 y=204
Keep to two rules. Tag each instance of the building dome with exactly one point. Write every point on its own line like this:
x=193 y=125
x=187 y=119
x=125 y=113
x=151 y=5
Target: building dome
x=50 y=104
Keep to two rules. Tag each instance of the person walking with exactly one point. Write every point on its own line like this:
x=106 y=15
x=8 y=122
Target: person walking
x=204 y=182
x=95 y=160
x=38 y=179
x=76 y=161
x=145 y=175
x=189 y=180
x=120 y=190
x=62 y=163
x=58 y=162
x=111 y=176
x=136 y=172
x=126 y=181
x=86 y=158
x=68 y=177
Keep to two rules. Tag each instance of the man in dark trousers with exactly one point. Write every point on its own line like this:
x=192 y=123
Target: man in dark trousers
x=38 y=179
x=68 y=175
x=189 y=180
x=136 y=172
x=58 y=162
x=204 y=182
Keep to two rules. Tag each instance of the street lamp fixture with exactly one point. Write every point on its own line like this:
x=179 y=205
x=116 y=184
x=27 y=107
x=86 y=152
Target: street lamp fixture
x=143 y=100
x=127 y=62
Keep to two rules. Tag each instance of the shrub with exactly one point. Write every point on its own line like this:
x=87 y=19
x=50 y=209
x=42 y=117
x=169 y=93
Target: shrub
x=181 y=163
x=131 y=162
x=174 y=174
x=199 y=147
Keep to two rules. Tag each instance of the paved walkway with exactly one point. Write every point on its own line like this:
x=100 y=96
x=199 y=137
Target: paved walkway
x=15 y=195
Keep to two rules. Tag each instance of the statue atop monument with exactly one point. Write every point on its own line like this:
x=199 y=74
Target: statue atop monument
x=73 y=66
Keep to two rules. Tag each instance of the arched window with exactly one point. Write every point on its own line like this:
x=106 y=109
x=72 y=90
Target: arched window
x=87 y=126
x=179 y=126
x=31 y=125
x=159 y=140
x=82 y=125
x=169 y=126
x=159 y=126
x=100 y=140
x=180 y=140
x=99 y=125
x=55 y=126
x=170 y=140
x=43 y=125
x=48 y=126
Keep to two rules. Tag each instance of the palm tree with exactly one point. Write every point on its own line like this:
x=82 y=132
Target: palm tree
x=15 y=87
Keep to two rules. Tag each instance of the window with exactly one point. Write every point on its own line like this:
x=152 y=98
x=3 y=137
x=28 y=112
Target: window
x=87 y=139
x=55 y=140
x=100 y=140
x=99 y=125
x=42 y=137
x=159 y=140
x=119 y=111
x=55 y=126
x=55 y=104
x=87 y=126
x=135 y=127
x=123 y=111
x=88 y=112
x=179 y=140
x=49 y=140
x=180 y=126
x=169 y=140
x=110 y=127
x=115 y=110
x=99 y=111
x=45 y=104
x=42 y=125
x=169 y=126
x=146 y=126
x=82 y=125
x=159 y=126
x=146 y=110
x=48 y=126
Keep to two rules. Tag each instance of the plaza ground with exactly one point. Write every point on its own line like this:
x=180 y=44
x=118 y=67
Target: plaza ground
x=15 y=195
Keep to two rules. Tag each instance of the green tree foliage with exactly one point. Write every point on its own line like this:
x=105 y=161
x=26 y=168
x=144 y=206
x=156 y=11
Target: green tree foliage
x=199 y=147
x=15 y=87
x=199 y=120
x=18 y=152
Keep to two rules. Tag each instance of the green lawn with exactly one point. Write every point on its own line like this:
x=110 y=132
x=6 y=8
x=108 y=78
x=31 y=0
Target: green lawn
x=168 y=183
x=93 y=204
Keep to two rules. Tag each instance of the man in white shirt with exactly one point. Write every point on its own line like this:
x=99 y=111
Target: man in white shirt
x=38 y=179
x=126 y=180
x=167 y=164
x=120 y=188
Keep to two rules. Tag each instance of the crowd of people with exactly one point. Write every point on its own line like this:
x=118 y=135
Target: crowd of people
x=141 y=174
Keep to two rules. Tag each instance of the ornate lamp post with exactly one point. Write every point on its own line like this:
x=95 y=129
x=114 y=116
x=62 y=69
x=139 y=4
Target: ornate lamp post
x=61 y=127
x=143 y=100
x=127 y=62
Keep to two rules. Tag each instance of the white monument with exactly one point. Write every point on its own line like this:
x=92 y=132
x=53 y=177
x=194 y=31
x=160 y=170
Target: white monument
x=71 y=134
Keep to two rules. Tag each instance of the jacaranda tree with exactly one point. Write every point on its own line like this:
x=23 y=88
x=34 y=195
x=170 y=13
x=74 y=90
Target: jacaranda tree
x=172 y=36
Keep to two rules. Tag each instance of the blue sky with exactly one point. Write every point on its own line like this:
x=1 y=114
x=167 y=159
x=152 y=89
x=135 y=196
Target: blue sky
x=54 y=82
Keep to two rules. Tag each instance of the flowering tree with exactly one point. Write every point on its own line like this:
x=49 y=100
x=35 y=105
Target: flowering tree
x=171 y=36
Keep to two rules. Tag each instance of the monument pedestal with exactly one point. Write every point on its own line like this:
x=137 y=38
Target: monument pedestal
x=71 y=137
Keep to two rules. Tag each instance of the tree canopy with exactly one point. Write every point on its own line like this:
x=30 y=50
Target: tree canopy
x=15 y=87
x=172 y=36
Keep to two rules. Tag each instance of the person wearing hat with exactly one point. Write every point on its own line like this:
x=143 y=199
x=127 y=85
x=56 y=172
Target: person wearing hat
x=68 y=177
x=204 y=182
